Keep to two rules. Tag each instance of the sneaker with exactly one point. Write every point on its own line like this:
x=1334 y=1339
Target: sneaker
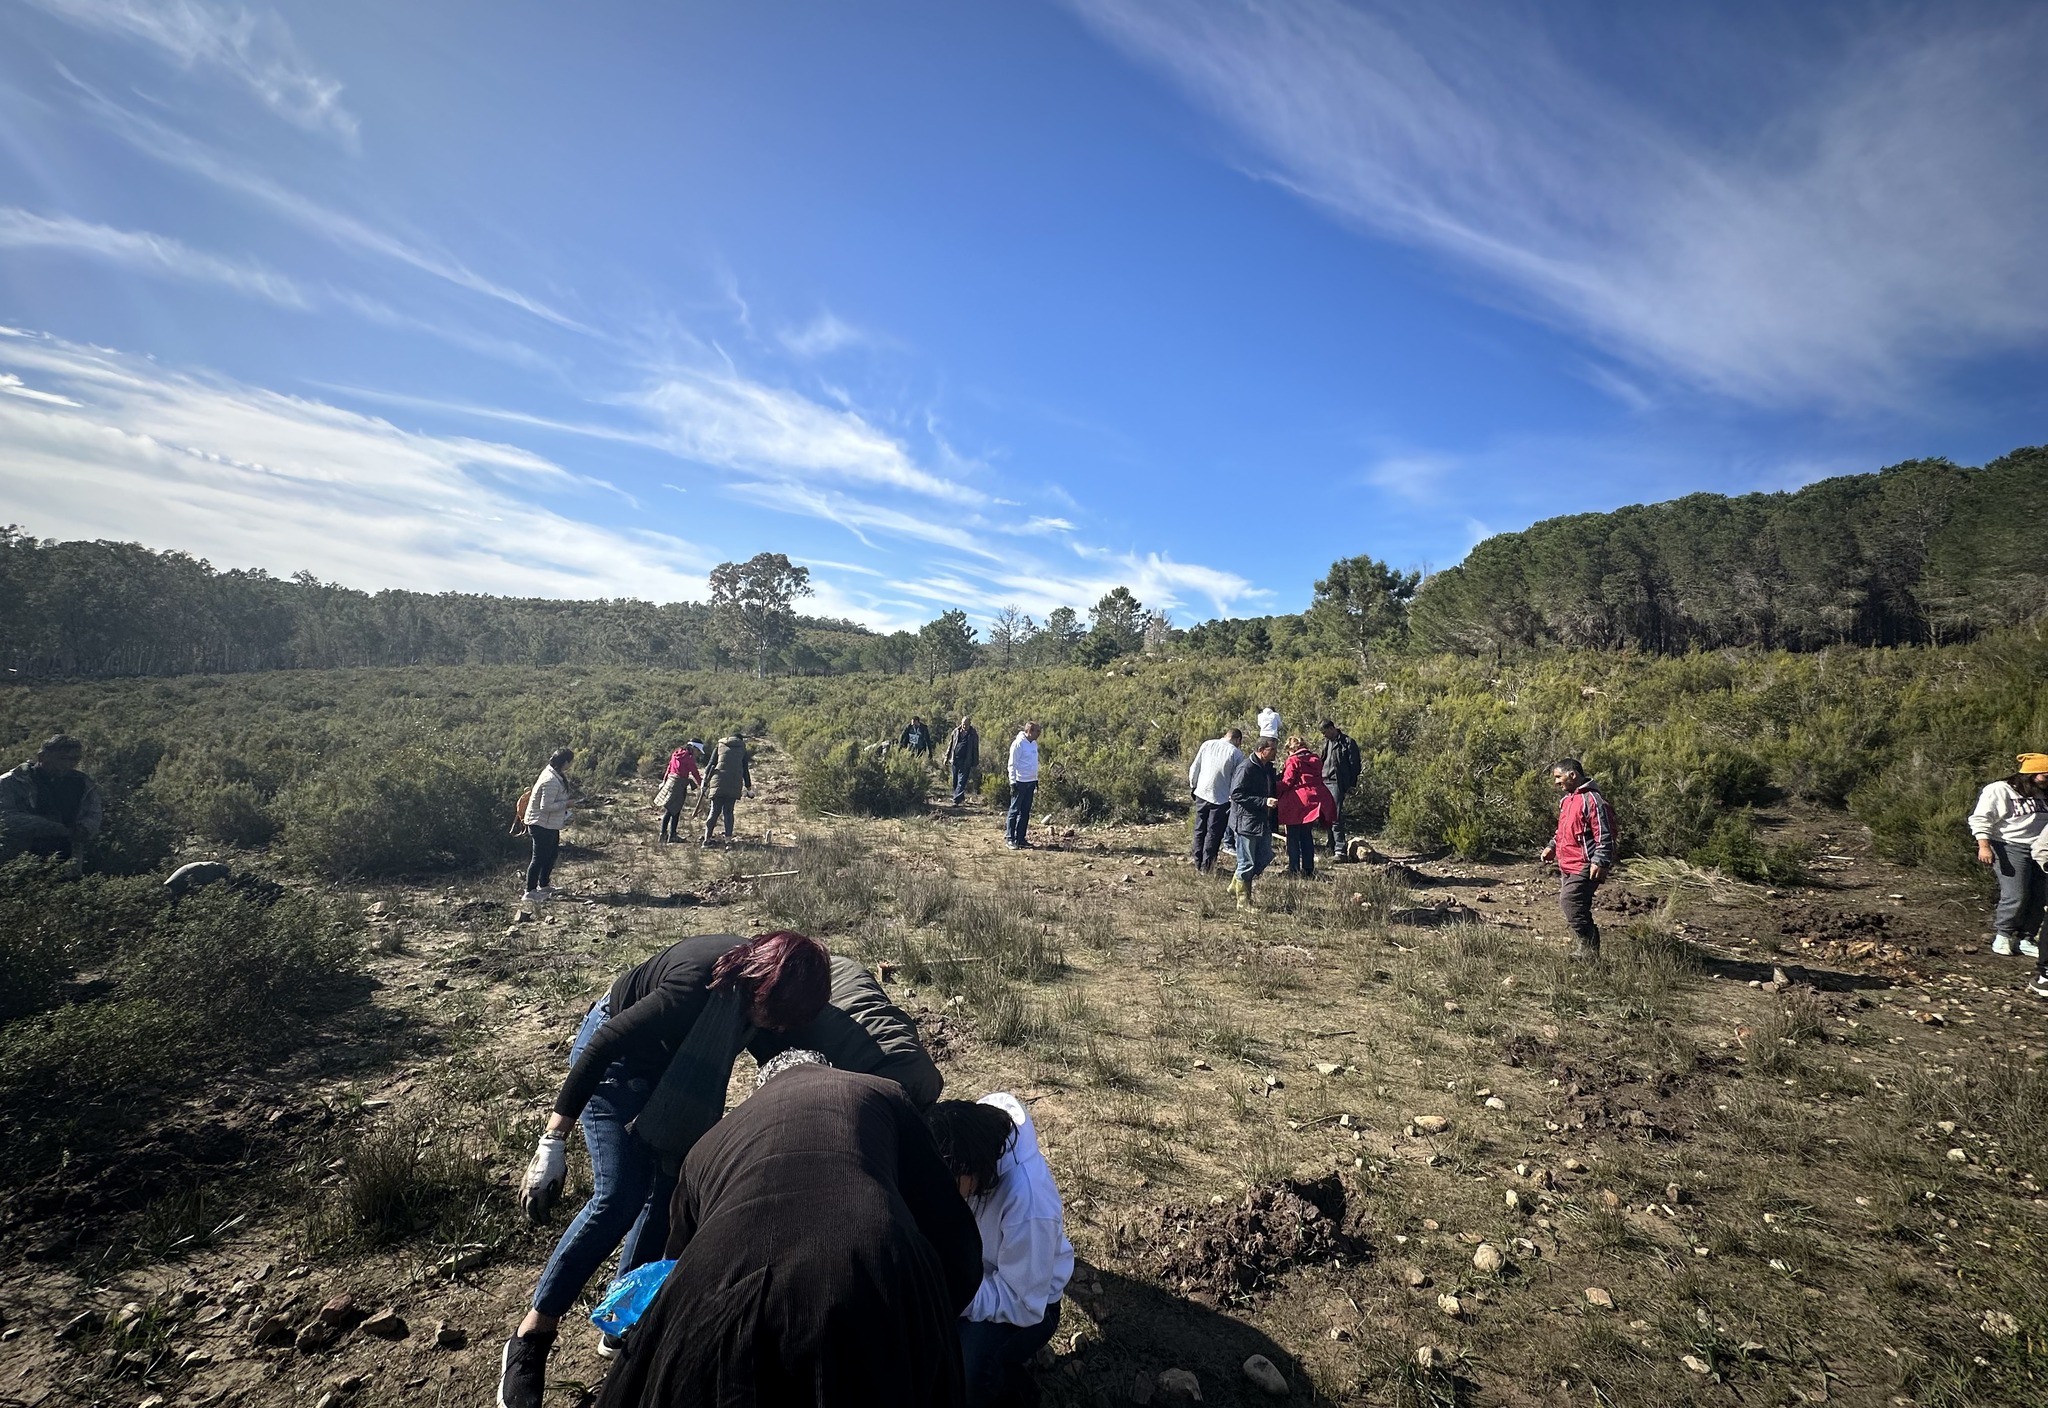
x=523 y=1369
x=608 y=1346
x=533 y=897
x=2029 y=948
x=1584 y=953
x=547 y=892
x=2039 y=987
x=2001 y=944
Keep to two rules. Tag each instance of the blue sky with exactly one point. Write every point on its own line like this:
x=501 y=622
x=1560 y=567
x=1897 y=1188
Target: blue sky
x=970 y=305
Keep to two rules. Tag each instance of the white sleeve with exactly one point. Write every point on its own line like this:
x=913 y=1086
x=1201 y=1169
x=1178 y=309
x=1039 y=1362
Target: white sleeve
x=1020 y=1287
x=1990 y=811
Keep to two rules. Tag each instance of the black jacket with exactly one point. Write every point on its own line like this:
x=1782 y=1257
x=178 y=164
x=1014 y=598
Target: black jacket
x=653 y=1009
x=1341 y=761
x=861 y=1031
x=1250 y=786
x=963 y=750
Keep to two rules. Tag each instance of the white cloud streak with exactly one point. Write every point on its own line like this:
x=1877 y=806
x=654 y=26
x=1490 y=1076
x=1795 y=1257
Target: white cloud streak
x=248 y=477
x=254 y=50
x=1836 y=254
x=147 y=253
x=821 y=336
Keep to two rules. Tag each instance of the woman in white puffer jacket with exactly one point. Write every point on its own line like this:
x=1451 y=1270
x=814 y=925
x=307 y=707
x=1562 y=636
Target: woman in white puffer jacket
x=2008 y=821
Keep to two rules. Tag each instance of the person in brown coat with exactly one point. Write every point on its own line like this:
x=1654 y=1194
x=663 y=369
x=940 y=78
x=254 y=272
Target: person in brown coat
x=823 y=1255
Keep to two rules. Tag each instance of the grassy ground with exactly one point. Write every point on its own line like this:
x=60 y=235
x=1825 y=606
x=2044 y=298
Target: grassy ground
x=1701 y=1187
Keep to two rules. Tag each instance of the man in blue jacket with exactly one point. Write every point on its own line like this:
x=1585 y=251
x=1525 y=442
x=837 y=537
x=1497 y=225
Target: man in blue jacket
x=1254 y=795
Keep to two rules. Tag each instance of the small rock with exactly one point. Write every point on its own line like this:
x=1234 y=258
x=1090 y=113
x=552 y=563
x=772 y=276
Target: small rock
x=1340 y=1334
x=1610 y=1200
x=1488 y=1258
x=274 y=1332
x=1452 y=1007
x=1415 y=1276
x=155 y=1400
x=1202 y=1065
x=197 y=1359
x=1574 y=1166
x=1327 y=1068
x=1695 y=1363
x=1494 y=1102
x=1595 y=1295
x=1513 y=1200
x=1428 y=1358
x=385 y=1325
x=329 y=1399
x=2000 y=1324
x=1179 y=1386
x=467 y=1258
x=341 y=1312
x=210 y=1314
x=447 y=1336
x=316 y=1336
x=1265 y=1377
x=1431 y=1124
x=1430 y=1224
x=1674 y=1194
x=1449 y=1305
x=1946 y=1126
x=1272 y=1083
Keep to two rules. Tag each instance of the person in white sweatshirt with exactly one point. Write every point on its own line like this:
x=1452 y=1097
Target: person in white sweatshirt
x=2008 y=821
x=991 y=1147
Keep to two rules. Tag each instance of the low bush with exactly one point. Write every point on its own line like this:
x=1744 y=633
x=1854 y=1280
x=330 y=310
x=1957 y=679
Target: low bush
x=852 y=780
x=249 y=972
x=1733 y=847
x=404 y=812
x=399 y=1180
x=1087 y=780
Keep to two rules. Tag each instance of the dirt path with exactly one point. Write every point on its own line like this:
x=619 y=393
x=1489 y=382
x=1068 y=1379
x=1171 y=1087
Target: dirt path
x=1339 y=1139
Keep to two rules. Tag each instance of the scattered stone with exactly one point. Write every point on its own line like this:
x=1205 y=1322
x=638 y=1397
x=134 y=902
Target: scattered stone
x=1428 y=1358
x=2000 y=1324
x=1430 y=1224
x=1610 y=1200
x=155 y=1400
x=1202 y=1065
x=1494 y=1102
x=341 y=1312
x=1415 y=1276
x=316 y=1336
x=329 y=1399
x=274 y=1332
x=1513 y=1200
x=1574 y=1166
x=1268 y=1379
x=1696 y=1364
x=1327 y=1068
x=1179 y=1386
x=197 y=1359
x=1596 y=1295
x=467 y=1258
x=1946 y=1126
x=385 y=1325
x=210 y=1314
x=1450 y=1305
x=1275 y=1083
x=1958 y=1156
x=1431 y=1124
x=1488 y=1258
x=1674 y=1194
x=447 y=1336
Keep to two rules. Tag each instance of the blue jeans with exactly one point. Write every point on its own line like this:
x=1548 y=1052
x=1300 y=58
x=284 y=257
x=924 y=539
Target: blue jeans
x=991 y=1351
x=1254 y=854
x=1018 y=830
x=628 y=1194
x=1337 y=791
x=961 y=777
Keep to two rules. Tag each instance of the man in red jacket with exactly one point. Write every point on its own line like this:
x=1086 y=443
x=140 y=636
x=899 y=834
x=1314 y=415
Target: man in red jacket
x=1583 y=849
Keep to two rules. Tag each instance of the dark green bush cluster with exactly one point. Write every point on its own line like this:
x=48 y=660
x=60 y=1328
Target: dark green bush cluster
x=394 y=813
x=1090 y=779
x=852 y=780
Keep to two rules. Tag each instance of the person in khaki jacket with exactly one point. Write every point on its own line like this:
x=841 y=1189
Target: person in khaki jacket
x=728 y=777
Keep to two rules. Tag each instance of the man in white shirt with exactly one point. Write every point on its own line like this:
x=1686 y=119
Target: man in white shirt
x=1023 y=786
x=1209 y=780
x=1269 y=723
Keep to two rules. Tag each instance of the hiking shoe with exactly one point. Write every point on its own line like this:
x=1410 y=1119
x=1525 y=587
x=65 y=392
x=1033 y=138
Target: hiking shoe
x=523 y=1369
x=2039 y=987
x=2030 y=948
x=532 y=897
x=1584 y=953
x=2001 y=944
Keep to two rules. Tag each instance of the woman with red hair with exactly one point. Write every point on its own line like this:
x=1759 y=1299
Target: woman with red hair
x=647 y=1077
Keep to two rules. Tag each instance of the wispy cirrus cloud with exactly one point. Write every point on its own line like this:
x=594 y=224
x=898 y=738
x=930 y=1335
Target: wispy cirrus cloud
x=821 y=336
x=1836 y=251
x=252 y=49
x=148 y=253
x=98 y=444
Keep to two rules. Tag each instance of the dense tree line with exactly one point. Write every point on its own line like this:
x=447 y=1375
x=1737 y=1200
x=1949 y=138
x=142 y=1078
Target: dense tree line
x=100 y=609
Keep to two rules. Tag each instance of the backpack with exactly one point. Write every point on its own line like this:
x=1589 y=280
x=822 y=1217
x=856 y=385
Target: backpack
x=519 y=813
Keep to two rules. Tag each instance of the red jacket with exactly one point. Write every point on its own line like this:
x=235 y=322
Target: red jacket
x=1585 y=831
x=1305 y=799
x=682 y=765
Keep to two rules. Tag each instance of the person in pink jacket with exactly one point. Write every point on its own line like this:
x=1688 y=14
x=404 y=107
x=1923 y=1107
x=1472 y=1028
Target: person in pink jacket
x=1305 y=804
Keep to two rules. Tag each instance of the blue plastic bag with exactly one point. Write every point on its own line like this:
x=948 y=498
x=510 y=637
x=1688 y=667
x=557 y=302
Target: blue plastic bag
x=626 y=1299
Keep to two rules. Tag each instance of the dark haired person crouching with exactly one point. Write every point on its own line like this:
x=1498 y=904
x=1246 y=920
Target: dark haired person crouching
x=991 y=1148
x=647 y=1077
x=822 y=1257
x=47 y=806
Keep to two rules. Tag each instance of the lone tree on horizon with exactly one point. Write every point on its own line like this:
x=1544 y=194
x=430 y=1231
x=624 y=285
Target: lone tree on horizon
x=750 y=605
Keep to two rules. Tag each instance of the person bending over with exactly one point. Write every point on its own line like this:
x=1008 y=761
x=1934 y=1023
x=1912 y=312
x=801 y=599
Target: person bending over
x=647 y=1077
x=991 y=1147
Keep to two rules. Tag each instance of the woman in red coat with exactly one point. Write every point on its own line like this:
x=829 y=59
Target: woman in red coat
x=1305 y=804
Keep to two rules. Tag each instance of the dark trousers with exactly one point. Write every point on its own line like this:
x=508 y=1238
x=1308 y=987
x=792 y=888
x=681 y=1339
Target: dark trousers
x=547 y=843
x=1301 y=849
x=1337 y=790
x=991 y=1351
x=1575 y=900
x=961 y=777
x=629 y=1194
x=1212 y=819
x=720 y=807
x=672 y=814
x=1017 y=828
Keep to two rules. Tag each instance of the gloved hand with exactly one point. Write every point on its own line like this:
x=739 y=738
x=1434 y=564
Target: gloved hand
x=545 y=1174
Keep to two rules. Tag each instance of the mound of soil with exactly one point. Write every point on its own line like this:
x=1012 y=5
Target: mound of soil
x=1232 y=1251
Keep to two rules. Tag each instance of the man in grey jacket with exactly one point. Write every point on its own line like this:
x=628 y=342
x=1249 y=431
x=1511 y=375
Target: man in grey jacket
x=47 y=806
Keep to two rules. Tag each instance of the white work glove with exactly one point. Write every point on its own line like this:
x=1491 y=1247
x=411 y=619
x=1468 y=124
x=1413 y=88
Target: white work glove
x=545 y=1174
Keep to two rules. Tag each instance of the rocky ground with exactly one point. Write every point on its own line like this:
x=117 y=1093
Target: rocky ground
x=1778 y=1147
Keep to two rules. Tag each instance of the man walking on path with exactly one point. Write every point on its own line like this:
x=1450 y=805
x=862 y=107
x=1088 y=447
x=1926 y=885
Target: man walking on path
x=1023 y=786
x=47 y=806
x=917 y=738
x=1342 y=765
x=729 y=775
x=963 y=756
x=1583 y=849
x=547 y=812
x=1209 y=779
x=1254 y=794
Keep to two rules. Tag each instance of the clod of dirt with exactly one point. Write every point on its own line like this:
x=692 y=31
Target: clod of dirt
x=275 y=1332
x=1264 y=1376
x=1179 y=1386
x=447 y=1336
x=1236 y=1250
x=1450 y=1305
x=318 y=1335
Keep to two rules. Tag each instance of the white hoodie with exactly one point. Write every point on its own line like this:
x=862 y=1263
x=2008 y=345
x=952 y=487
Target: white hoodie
x=2003 y=813
x=1269 y=722
x=1025 y=1255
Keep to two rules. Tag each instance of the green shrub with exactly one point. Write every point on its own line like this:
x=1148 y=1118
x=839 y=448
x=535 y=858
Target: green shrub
x=251 y=971
x=51 y=921
x=232 y=811
x=135 y=838
x=851 y=780
x=1091 y=780
x=398 y=1180
x=1733 y=847
x=81 y=1054
x=405 y=812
